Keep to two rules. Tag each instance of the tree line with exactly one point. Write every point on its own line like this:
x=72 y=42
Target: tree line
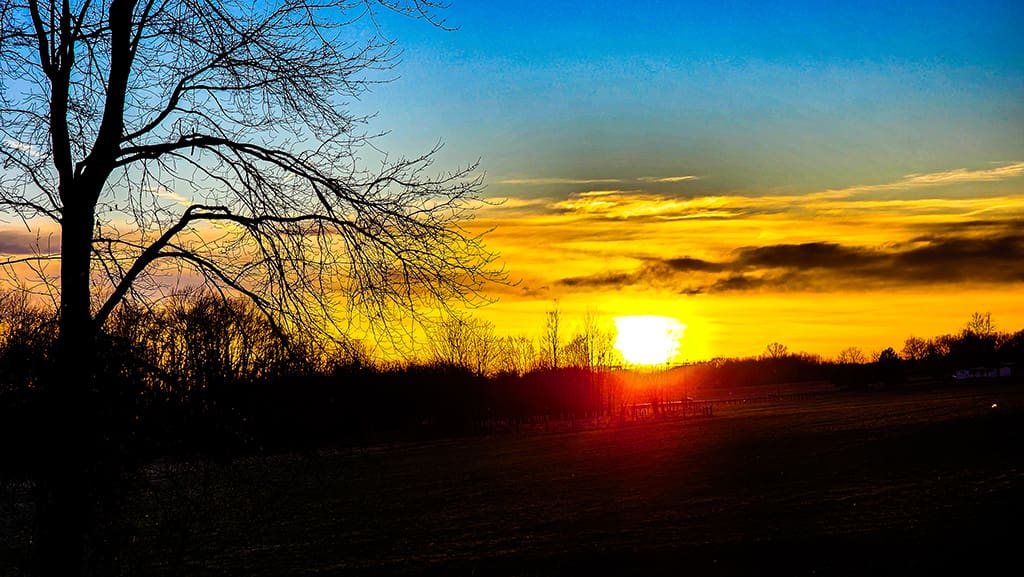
x=201 y=373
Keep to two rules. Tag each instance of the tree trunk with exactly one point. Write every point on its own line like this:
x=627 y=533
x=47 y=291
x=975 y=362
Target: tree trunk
x=77 y=467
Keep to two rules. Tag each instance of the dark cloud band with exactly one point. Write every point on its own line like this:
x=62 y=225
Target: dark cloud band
x=962 y=256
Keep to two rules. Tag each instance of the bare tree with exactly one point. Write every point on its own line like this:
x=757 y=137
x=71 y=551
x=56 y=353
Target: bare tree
x=886 y=355
x=851 y=355
x=775 y=350
x=551 y=339
x=593 y=345
x=188 y=141
x=465 y=342
x=518 y=355
x=26 y=339
x=980 y=325
x=915 y=348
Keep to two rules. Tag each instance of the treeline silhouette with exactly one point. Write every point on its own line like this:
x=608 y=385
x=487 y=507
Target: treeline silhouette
x=204 y=374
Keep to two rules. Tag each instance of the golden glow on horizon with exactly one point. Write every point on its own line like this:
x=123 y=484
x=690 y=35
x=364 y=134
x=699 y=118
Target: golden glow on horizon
x=648 y=339
x=613 y=249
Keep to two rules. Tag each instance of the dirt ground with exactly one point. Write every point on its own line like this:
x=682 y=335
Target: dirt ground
x=879 y=482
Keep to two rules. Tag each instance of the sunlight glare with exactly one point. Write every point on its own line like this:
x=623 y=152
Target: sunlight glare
x=648 y=339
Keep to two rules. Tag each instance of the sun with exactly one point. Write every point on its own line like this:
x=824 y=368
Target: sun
x=648 y=339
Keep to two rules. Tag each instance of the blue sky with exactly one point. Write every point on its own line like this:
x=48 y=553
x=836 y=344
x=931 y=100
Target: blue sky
x=753 y=97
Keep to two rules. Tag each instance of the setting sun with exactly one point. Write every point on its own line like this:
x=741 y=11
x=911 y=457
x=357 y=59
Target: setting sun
x=648 y=340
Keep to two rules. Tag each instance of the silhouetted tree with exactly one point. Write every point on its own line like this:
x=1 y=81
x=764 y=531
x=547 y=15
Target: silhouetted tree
x=851 y=355
x=1011 y=348
x=465 y=342
x=551 y=338
x=940 y=346
x=980 y=325
x=518 y=355
x=775 y=351
x=592 y=346
x=889 y=367
x=915 y=348
x=162 y=138
x=888 y=355
x=26 y=341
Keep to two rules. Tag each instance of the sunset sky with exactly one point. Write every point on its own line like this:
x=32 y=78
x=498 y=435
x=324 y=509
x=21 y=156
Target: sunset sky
x=823 y=174
x=820 y=174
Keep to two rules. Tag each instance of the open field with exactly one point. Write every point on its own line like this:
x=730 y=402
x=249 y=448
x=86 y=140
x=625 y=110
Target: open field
x=895 y=482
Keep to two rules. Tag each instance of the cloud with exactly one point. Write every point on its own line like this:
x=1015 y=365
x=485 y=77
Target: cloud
x=17 y=243
x=634 y=204
x=982 y=226
x=660 y=179
x=804 y=256
x=615 y=279
x=558 y=180
x=958 y=175
x=653 y=272
x=640 y=207
x=688 y=264
x=952 y=258
x=161 y=191
x=994 y=259
x=27 y=148
x=606 y=238
x=507 y=202
x=509 y=208
x=854 y=201
x=732 y=283
x=548 y=180
x=955 y=176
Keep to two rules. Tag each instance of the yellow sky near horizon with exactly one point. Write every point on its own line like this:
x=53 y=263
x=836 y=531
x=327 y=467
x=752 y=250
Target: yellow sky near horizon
x=862 y=266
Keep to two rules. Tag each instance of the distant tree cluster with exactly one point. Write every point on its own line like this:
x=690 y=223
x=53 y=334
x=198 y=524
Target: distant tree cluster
x=977 y=344
x=776 y=365
x=473 y=345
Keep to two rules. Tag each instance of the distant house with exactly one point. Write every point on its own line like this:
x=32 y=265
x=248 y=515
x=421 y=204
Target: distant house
x=983 y=373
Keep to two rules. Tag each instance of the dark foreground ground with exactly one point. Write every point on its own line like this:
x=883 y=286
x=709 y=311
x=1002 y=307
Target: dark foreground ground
x=874 y=483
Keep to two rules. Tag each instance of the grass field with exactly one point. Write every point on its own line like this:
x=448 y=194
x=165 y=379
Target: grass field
x=894 y=482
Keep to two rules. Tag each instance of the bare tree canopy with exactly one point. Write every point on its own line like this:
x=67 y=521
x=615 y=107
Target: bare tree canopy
x=851 y=356
x=980 y=325
x=775 y=350
x=210 y=139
